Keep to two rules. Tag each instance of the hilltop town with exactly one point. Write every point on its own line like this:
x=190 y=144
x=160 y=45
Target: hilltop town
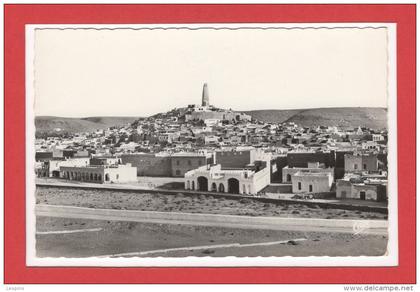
x=216 y=150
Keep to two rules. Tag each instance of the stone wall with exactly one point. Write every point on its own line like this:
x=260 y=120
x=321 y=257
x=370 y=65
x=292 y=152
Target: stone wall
x=234 y=159
x=149 y=164
x=301 y=159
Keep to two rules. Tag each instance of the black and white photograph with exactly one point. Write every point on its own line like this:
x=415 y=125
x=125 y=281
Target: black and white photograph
x=211 y=145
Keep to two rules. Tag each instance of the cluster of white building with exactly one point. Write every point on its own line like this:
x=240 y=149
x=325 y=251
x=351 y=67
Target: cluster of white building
x=224 y=151
x=239 y=170
x=87 y=169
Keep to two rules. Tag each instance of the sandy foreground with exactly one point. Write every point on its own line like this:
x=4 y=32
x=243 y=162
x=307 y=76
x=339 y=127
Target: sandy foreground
x=55 y=238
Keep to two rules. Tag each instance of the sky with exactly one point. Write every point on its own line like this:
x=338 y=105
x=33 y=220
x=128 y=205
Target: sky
x=126 y=72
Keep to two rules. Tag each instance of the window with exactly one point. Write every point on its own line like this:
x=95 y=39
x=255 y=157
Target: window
x=310 y=188
x=289 y=177
x=299 y=185
x=178 y=172
x=199 y=162
x=355 y=166
x=189 y=162
x=118 y=176
x=177 y=162
x=364 y=166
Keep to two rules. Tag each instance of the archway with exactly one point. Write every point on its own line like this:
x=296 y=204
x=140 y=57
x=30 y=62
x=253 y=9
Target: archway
x=56 y=173
x=221 y=188
x=233 y=186
x=202 y=183
x=289 y=177
x=213 y=187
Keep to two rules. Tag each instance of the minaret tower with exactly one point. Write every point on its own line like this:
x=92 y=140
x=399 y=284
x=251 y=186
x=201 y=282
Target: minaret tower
x=205 y=96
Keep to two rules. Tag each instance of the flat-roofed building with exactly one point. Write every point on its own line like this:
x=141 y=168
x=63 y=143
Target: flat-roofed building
x=360 y=162
x=237 y=181
x=312 y=182
x=55 y=165
x=122 y=173
x=312 y=167
x=362 y=190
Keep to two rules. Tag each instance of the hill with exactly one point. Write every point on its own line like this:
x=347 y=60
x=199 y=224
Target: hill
x=375 y=118
x=58 y=125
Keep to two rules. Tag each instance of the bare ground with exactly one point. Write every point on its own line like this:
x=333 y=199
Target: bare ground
x=121 y=237
x=105 y=199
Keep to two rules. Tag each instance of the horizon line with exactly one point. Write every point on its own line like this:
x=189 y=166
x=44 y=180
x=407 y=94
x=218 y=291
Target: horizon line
x=139 y=116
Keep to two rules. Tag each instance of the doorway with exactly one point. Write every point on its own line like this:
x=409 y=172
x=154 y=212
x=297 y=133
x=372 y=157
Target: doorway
x=233 y=186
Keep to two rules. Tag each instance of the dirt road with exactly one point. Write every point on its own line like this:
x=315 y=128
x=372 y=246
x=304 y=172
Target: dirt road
x=379 y=227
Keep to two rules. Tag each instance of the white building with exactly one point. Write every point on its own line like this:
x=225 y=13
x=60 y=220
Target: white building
x=101 y=173
x=374 y=190
x=370 y=145
x=215 y=179
x=310 y=182
x=377 y=137
x=313 y=167
x=54 y=165
x=211 y=122
x=129 y=147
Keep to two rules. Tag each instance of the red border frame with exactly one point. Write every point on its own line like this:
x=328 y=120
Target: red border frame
x=17 y=15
